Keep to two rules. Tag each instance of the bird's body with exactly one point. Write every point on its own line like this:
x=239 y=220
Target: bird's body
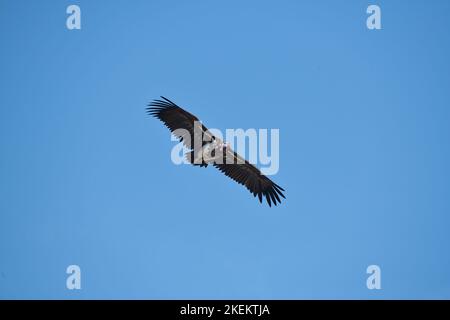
x=205 y=149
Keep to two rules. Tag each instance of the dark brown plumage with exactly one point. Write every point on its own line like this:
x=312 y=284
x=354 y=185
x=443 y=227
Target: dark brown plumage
x=239 y=169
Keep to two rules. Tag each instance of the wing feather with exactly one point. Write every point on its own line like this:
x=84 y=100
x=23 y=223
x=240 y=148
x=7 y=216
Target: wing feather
x=243 y=172
x=175 y=117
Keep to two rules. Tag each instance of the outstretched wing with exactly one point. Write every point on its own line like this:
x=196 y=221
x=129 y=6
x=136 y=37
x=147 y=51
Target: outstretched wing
x=243 y=172
x=176 y=118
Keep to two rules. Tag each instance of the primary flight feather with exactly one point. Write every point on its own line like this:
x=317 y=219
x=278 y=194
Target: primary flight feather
x=212 y=151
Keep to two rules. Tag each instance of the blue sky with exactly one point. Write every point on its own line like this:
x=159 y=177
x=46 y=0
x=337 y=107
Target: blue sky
x=86 y=176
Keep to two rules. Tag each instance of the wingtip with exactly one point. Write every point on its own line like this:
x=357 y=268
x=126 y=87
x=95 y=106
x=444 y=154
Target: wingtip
x=268 y=199
x=162 y=97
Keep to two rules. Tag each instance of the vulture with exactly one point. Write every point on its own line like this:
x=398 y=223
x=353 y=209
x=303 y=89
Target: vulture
x=206 y=149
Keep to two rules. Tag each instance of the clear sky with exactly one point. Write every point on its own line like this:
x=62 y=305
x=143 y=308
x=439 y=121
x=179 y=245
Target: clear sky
x=86 y=176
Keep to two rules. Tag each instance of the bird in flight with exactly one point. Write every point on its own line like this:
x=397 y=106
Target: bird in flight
x=206 y=149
